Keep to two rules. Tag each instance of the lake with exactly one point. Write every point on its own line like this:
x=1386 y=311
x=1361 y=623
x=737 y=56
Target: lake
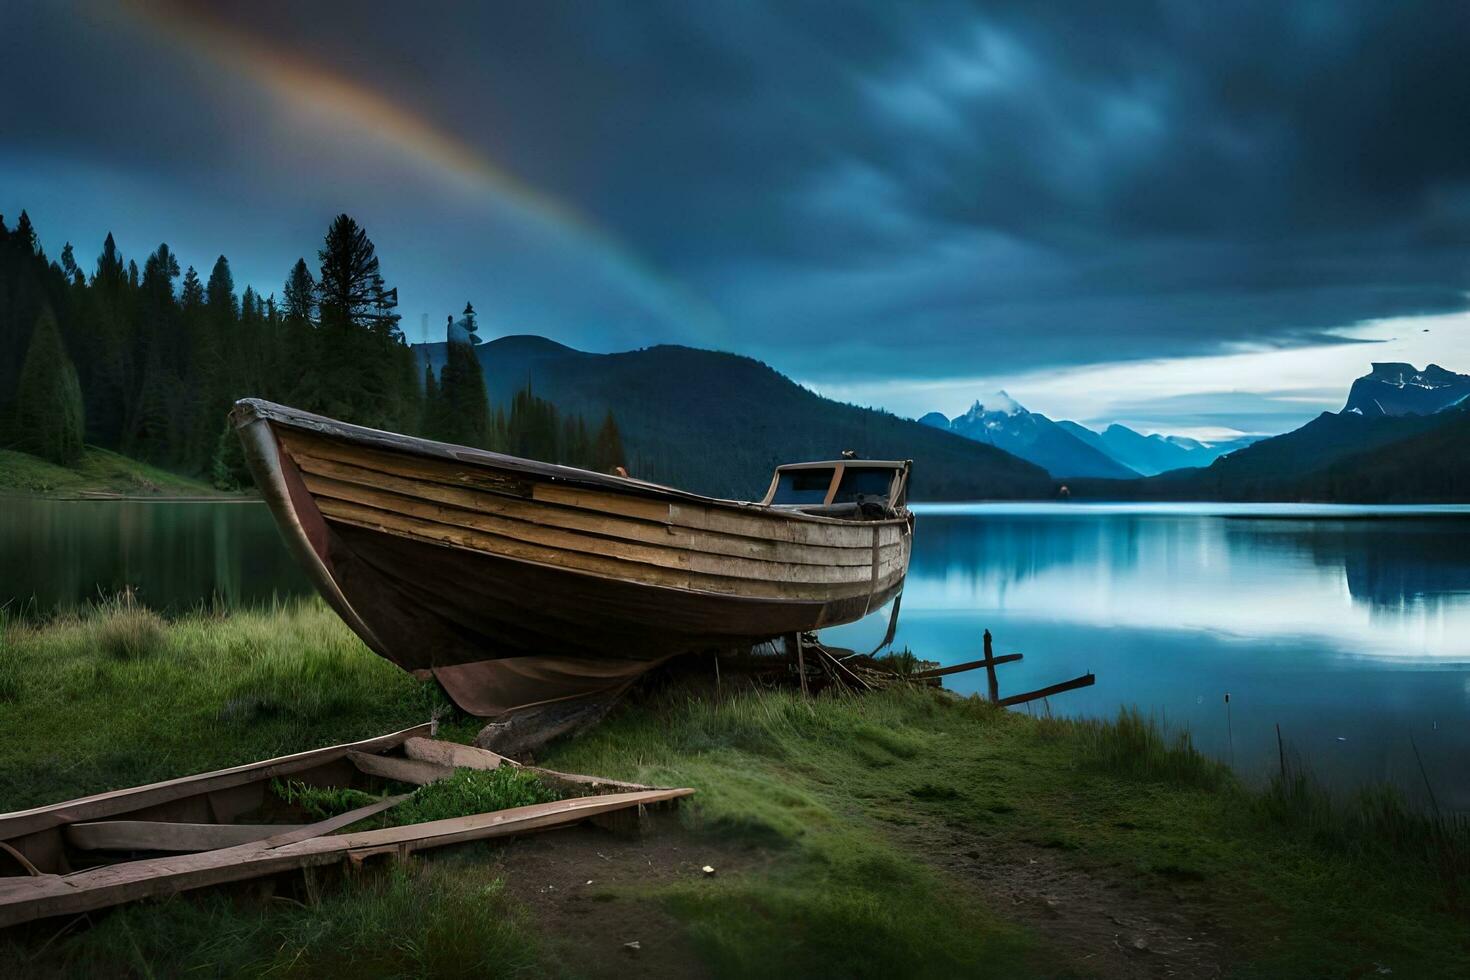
x=1348 y=626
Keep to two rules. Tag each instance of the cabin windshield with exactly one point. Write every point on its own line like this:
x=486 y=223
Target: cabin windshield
x=868 y=481
x=804 y=486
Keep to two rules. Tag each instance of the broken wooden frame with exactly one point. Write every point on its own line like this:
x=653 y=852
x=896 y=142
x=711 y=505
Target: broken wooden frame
x=845 y=669
x=180 y=834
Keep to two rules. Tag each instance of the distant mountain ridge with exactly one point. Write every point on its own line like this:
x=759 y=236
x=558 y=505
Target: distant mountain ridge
x=1387 y=454
x=719 y=423
x=1068 y=449
x=1394 y=388
x=1001 y=421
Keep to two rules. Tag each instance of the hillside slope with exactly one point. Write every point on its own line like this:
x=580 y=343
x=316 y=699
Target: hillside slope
x=1335 y=457
x=719 y=423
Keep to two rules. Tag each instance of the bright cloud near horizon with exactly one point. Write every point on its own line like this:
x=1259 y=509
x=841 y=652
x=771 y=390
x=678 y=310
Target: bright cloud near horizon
x=1209 y=397
x=1183 y=216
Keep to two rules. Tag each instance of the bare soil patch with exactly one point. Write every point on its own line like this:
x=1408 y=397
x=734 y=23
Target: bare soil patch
x=581 y=886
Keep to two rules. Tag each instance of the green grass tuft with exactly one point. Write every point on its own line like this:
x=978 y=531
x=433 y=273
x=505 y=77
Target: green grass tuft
x=321 y=802
x=471 y=791
x=1135 y=746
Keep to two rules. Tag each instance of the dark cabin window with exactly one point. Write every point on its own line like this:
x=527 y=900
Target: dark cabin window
x=802 y=487
x=870 y=481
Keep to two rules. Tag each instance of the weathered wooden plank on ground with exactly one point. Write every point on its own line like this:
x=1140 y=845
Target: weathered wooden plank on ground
x=28 y=899
x=118 y=801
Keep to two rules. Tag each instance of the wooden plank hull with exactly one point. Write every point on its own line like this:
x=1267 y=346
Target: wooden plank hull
x=518 y=583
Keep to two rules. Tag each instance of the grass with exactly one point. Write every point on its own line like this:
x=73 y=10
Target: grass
x=449 y=918
x=99 y=471
x=848 y=800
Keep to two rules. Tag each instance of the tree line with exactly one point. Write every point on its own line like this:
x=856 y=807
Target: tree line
x=148 y=361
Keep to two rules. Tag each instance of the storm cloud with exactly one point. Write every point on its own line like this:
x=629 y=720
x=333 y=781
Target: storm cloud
x=848 y=191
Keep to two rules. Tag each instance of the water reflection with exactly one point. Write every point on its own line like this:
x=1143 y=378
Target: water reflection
x=1350 y=629
x=174 y=555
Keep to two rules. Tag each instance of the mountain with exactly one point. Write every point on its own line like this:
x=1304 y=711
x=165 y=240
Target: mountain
x=1392 y=388
x=1000 y=421
x=719 y=423
x=1156 y=453
x=1336 y=456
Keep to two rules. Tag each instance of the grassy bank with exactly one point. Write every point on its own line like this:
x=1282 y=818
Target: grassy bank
x=877 y=827
x=98 y=472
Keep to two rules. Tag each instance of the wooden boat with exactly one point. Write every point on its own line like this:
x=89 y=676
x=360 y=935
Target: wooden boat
x=518 y=583
x=230 y=825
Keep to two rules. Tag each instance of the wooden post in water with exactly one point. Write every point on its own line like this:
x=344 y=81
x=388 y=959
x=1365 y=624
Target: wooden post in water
x=990 y=678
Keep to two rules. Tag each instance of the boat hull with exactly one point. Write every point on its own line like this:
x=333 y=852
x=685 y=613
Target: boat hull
x=520 y=584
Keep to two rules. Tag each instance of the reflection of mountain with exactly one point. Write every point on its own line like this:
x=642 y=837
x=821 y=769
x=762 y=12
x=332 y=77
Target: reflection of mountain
x=1011 y=549
x=1386 y=563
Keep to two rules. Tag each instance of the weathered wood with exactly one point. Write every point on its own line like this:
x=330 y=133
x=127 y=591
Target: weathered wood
x=992 y=683
x=410 y=771
x=800 y=662
x=134 y=798
x=1086 y=680
x=578 y=781
x=328 y=475
x=1008 y=658
x=28 y=899
x=435 y=532
x=430 y=552
x=672 y=554
x=453 y=754
x=160 y=835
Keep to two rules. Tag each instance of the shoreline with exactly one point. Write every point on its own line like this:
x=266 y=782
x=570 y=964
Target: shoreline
x=900 y=831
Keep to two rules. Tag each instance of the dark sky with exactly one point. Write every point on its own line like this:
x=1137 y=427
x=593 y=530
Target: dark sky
x=900 y=203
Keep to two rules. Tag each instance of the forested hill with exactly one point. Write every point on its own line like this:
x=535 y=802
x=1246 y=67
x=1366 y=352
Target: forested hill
x=718 y=423
x=1337 y=457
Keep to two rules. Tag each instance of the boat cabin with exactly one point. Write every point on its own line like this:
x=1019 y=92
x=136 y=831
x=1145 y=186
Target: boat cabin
x=869 y=486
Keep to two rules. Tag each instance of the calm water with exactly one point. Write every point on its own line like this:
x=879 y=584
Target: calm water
x=1348 y=626
x=174 y=555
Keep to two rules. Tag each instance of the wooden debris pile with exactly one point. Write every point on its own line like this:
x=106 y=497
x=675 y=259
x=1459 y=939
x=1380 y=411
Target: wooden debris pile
x=817 y=667
x=203 y=830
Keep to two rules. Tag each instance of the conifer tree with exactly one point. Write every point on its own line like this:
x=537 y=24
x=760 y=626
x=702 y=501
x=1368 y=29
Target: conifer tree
x=49 y=413
x=608 y=452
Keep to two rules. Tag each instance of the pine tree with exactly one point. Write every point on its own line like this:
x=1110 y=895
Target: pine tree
x=299 y=294
x=466 y=406
x=25 y=235
x=50 y=419
x=69 y=267
x=607 y=451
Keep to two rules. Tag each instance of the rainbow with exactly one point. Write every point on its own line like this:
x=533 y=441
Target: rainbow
x=301 y=84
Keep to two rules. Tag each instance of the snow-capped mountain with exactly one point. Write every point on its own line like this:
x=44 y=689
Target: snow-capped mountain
x=1392 y=388
x=1002 y=422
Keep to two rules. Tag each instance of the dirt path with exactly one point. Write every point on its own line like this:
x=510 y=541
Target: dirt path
x=580 y=886
x=577 y=883
x=1104 y=926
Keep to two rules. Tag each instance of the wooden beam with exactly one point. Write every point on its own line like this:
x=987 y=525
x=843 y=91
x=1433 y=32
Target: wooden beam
x=402 y=770
x=453 y=754
x=28 y=899
x=1086 y=680
x=159 y=835
x=109 y=804
x=1008 y=658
